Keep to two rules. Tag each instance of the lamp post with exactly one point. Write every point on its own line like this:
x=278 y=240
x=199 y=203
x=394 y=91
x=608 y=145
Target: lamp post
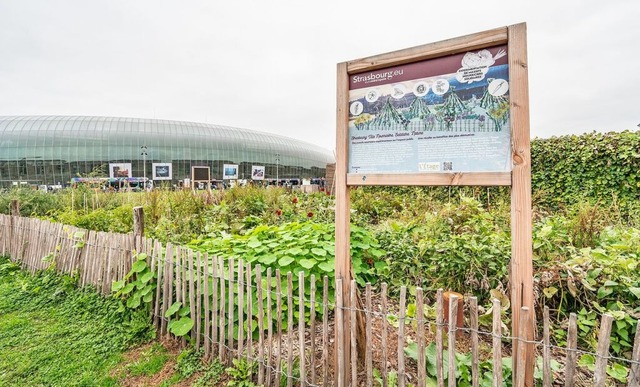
x=277 y=169
x=144 y=163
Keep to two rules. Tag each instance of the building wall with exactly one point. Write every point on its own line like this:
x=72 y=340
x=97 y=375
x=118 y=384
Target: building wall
x=53 y=149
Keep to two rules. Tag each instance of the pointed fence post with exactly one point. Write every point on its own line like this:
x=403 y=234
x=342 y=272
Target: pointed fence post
x=15 y=207
x=138 y=227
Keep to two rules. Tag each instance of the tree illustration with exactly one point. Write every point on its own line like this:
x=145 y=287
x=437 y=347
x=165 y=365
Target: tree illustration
x=389 y=118
x=451 y=108
x=419 y=109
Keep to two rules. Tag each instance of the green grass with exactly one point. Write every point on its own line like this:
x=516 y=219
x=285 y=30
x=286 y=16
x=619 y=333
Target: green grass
x=53 y=334
x=150 y=362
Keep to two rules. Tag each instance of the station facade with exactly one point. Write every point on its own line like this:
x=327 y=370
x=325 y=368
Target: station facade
x=48 y=150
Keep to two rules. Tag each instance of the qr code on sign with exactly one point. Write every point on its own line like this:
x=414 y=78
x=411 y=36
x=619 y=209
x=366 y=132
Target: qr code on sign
x=447 y=165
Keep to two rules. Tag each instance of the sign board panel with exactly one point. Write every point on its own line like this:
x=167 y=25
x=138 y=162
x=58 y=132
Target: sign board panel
x=230 y=172
x=447 y=114
x=162 y=171
x=200 y=174
x=257 y=172
x=117 y=170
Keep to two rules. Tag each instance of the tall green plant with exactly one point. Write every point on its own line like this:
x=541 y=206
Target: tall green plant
x=587 y=167
x=296 y=247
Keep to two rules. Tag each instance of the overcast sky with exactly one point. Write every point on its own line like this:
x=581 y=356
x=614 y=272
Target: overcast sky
x=271 y=65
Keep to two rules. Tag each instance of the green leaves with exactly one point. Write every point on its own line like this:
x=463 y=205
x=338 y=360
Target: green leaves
x=146 y=277
x=127 y=288
x=591 y=166
x=308 y=263
x=133 y=302
x=319 y=252
x=254 y=243
x=550 y=291
x=117 y=285
x=297 y=247
x=295 y=251
x=173 y=309
x=78 y=236
x=138 y=266
x=285 y=261
x=267 y=260
x=326 y=267
x=140 y=279
x=183 y=324
x=615 y=370
x=181 y=327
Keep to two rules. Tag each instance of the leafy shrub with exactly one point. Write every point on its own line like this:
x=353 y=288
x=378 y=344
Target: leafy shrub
x=241 y=373
x=118 y=220
x=463 y=367
x=32 y=202
x=188 y=362
x=462 y=248
x=296 y=247
x=211 y=374
x=594 y=280
x=587 y=167
x=181 y=217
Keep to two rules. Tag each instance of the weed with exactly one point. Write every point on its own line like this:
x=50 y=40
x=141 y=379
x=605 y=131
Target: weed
x=150 y=362
x=188 y=362
x=211 y=374
x=241 y=373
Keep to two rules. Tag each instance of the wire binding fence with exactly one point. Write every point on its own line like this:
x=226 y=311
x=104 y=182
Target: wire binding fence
x=254 y=313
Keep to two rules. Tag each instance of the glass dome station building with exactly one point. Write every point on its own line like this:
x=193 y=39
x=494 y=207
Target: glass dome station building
x=49 y=150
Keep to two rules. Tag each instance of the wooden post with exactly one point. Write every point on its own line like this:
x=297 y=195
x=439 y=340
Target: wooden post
x=453 y=326
x=15 y=207
x=341 y=374
x=312 y=328
x=520 y=361
x=290 y=312
x=260 y=302
x=521 y=223
x=473 y=319
x=401 y=318
x=138 y=227
x=439 y=334
x=572 y=344
x=602 y=353
x=497 y=345
x=634 y=372
x=354 y=343
x=301 y=341
x=325 y=331
x=343 y=257
x=422 y=367
x=546 y=349
x=385 y=329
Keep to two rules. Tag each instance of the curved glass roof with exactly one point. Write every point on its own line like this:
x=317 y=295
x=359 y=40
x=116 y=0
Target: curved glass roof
x=47 y=149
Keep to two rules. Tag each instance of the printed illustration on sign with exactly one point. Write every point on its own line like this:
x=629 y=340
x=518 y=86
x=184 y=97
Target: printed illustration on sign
x=161 y=171
x=257 y=172
x=467 y=100
x=463 y=97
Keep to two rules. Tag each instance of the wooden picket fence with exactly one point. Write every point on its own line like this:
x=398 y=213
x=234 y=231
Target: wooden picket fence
x=241 y=311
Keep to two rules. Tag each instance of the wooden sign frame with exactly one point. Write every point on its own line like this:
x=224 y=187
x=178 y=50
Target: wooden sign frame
x=519 y=178
x=193 y=176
